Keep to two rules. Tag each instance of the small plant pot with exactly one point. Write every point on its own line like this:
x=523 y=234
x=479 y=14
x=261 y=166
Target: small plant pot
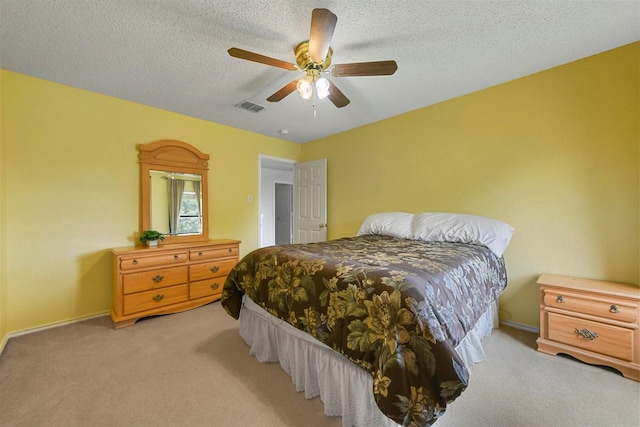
x=152 y=243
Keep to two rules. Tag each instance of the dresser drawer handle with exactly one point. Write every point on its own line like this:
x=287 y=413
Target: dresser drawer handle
x=215 y=269
x=158 y=297
x=135 y=261
x=230 y=250
x=176 y=257
x=158 y=278
x=587 y=334
x=560 y=299
x=215 y=285
x=199 y=253
x=614 y=309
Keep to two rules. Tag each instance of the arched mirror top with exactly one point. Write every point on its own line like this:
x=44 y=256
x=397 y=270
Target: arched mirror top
x=174 y=190
x=173 y=153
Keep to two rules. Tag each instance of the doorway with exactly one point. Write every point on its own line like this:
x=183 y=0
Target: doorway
x=301 y=204
x=275 y=200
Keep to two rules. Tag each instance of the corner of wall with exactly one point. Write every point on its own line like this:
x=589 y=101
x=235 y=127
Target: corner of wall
x=3 y=222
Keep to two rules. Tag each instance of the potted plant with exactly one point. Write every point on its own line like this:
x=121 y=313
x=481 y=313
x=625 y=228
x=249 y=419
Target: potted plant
x=151 y=237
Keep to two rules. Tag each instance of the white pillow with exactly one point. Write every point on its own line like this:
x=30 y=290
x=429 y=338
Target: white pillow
x=462 y=228
x=394 y=224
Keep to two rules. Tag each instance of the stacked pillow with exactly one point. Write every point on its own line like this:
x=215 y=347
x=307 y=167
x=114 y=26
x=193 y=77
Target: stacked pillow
x=441 y=227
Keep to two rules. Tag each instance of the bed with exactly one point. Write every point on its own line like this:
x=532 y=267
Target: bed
x=383 y=325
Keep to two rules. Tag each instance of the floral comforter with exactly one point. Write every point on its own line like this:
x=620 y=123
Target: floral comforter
x=395 y=307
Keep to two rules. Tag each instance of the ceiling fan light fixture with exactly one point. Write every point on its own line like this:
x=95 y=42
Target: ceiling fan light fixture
x=322 y=88
x=305 y=87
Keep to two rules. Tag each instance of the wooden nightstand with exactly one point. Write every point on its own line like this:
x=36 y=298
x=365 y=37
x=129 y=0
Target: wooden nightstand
x=595 y=321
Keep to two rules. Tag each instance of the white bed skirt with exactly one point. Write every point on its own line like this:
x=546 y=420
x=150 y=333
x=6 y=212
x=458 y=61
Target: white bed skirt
x=344 y=388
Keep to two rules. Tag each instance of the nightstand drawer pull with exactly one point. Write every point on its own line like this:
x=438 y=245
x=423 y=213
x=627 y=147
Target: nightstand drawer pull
x=614 y=309
x=158 y=278
x=560 y=299
x=158 y=297
x=587 y=334
x=215 y=286
x=176 y=257
x=215 y=269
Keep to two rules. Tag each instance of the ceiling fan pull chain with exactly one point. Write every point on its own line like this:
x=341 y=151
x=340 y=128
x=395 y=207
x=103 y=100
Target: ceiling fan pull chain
x=313 y=100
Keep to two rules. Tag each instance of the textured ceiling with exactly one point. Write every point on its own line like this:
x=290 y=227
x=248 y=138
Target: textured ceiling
x=172 y=54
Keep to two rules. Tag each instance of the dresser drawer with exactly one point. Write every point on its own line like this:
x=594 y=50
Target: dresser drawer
x=611 y=340
x=213 y=253
x=137 y=262
x=208 y=270
x=600 y=306
x=206 y=288
x=153 y=279
x=143 y=301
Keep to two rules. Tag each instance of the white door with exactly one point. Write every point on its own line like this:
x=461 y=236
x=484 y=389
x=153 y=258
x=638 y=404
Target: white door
x=310 y=202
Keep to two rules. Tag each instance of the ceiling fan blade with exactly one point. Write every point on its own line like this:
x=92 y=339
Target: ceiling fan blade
x=282 y=93
x=376 y=68
x=323 y=22
x=336 y=96
x=255 y=57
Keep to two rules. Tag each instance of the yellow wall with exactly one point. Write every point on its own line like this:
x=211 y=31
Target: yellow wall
x=554 y=154
x=72 y=192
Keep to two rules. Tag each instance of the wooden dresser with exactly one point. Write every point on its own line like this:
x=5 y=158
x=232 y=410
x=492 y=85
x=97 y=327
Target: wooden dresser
x=169 y=279
x=595 y=321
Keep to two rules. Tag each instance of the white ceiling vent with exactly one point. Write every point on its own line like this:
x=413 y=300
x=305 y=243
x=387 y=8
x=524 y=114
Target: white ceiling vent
x=250 y=106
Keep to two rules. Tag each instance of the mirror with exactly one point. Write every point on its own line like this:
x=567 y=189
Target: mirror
x=175 y=202
x=174 y=190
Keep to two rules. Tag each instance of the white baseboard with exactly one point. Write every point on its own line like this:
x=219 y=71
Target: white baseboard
x=520 y=326
x=48 y=326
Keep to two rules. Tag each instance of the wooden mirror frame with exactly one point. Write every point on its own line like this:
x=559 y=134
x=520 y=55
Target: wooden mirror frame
x=173 y=156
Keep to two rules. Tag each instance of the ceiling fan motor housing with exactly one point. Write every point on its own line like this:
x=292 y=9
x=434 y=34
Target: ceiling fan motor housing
x=306 y=64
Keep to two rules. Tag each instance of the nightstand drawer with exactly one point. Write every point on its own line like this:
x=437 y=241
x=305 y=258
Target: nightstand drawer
x=150 y=300
x=596 y=307
x=609 y=340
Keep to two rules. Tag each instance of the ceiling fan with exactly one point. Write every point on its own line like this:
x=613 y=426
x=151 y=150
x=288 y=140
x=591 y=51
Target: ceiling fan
x=313 y=57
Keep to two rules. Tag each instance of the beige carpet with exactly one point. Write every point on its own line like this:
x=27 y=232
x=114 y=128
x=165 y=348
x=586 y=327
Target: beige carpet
x=193 y=369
